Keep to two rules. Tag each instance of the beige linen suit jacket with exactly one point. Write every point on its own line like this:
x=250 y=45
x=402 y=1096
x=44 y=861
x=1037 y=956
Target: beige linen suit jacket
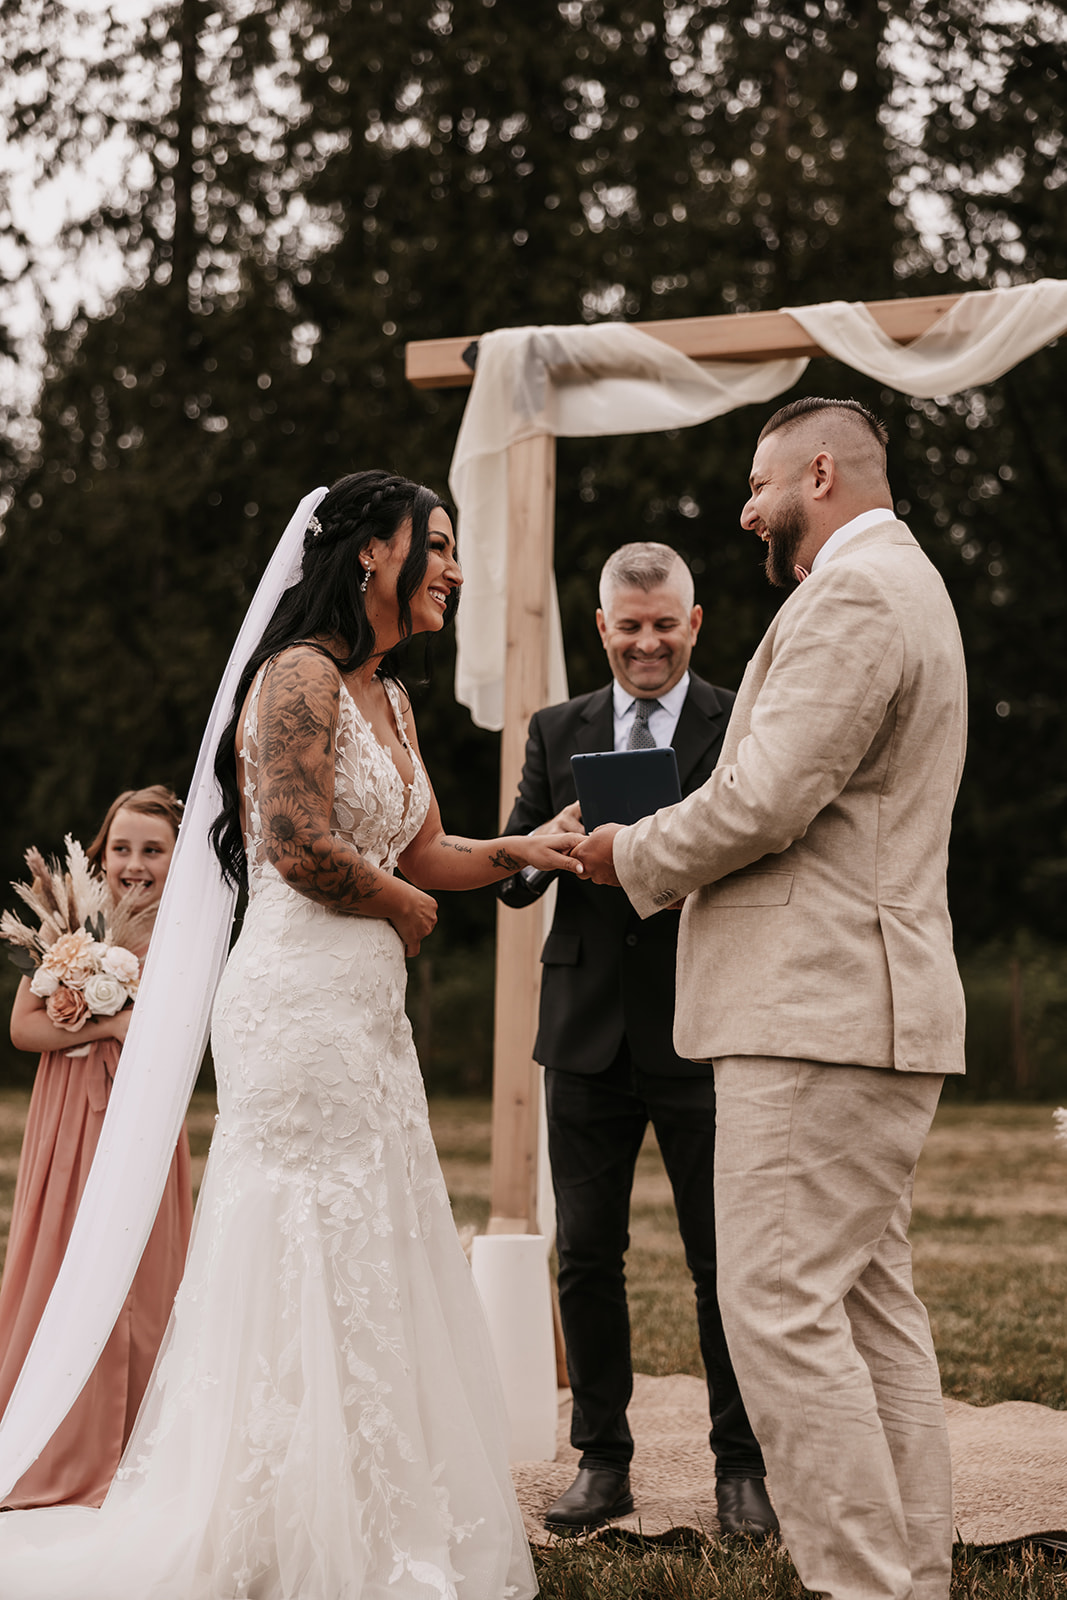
x=814 y=857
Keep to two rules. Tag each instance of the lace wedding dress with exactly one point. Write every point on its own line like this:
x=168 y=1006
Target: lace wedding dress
x=324 y=1422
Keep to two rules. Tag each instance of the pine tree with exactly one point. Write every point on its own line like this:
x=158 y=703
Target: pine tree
x=134 y=540
x=312 y=185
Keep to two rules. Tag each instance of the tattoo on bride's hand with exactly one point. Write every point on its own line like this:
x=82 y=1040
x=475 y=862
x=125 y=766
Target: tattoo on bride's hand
x=505 y=861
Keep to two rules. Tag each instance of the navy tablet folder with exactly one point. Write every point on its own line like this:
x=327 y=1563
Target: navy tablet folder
x=625 y=785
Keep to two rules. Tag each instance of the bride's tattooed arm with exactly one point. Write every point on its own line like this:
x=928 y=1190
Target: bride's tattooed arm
x=297 y=751
x=297 y=727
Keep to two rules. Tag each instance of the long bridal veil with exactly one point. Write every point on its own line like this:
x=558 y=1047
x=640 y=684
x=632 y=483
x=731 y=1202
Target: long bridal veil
x=160 y=1061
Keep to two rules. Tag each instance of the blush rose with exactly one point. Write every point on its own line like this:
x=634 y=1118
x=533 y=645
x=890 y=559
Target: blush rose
x=67 y=1009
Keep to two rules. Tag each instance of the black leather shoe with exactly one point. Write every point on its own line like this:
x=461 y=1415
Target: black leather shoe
x=744 y=1509
x=596 y=1495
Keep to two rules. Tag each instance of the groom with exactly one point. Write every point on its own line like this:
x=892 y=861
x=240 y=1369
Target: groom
x=812 y=865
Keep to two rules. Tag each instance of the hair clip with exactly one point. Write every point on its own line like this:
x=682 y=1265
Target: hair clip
x=314 y=526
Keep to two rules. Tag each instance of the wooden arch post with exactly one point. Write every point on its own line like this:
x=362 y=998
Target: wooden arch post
x=516 y=1076
x=447 y=364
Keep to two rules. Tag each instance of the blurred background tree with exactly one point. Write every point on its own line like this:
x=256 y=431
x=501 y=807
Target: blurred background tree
x=303 y=188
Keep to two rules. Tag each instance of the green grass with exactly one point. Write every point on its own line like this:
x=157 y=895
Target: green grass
x=990 y=1246
x=988 y=1240
x=587 y=1571
x=591 y=1571
x=989 y=1236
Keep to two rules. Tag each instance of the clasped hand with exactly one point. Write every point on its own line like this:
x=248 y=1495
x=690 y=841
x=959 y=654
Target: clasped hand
x=590 y=854
x=595 y=855
x=548 y=852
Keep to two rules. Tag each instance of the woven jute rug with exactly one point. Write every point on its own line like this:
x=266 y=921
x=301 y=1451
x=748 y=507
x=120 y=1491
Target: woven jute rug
x=1009 y=1466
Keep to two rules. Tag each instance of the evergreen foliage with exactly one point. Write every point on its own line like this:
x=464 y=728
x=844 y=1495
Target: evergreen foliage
x=311 y=185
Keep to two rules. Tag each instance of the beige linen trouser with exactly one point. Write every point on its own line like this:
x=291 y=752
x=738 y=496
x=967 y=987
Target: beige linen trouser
x=814 y=1167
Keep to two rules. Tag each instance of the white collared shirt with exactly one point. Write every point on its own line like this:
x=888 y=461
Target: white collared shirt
x=661 y=723
x=849 y=530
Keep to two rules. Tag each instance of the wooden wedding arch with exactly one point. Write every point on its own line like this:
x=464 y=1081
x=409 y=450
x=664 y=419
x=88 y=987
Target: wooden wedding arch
x=449 y=364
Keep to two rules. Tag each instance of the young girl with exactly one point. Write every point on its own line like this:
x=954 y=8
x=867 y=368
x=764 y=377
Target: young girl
x=70 y=1094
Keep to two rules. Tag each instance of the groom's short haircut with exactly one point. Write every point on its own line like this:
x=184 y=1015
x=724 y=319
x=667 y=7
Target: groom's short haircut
x=847 y=430
x=644 y=566
x=810 y=405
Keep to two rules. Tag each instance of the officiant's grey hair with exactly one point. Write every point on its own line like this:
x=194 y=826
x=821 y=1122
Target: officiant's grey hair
x=645 y=565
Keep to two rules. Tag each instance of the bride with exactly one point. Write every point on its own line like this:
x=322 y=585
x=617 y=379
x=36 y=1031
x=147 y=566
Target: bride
x=323 y=1423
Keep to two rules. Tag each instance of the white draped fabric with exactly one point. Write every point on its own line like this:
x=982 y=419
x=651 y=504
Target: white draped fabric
x=612 y=378
x=160 y=1061
x=575 y=383
x=978 y=340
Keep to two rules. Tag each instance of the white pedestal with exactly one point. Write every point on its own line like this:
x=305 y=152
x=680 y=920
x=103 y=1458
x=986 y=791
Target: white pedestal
x=511 y=1274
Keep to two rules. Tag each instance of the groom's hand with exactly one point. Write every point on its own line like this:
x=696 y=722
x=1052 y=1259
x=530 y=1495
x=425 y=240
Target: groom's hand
x=596 y=854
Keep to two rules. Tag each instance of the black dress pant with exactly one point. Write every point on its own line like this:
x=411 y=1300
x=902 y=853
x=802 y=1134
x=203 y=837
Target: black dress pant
x=596 y=1124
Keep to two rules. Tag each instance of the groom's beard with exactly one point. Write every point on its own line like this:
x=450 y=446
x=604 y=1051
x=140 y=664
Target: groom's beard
x=784 y=538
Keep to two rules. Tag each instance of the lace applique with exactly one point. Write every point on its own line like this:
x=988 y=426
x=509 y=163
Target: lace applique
x=323 y=1420
x=373 y=808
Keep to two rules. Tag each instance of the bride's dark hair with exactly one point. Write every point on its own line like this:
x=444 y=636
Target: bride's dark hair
x=326 y=602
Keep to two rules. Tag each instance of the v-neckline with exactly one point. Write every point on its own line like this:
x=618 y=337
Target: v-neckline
x=408 y=788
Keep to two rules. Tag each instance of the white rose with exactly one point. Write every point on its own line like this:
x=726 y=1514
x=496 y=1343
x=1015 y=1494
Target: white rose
x=104 y=994
x=122 y=964
x=43 y=983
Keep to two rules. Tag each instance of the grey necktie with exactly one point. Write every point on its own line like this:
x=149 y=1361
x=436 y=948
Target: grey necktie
x=640 y=734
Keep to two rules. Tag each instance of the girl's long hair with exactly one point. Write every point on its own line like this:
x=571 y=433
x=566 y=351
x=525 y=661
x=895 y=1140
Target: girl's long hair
x=326 y=603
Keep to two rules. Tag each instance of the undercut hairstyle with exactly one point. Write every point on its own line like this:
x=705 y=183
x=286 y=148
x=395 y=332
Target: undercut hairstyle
x=155 y=801
x=811 y=405
x=326 y=602
x=644 y=566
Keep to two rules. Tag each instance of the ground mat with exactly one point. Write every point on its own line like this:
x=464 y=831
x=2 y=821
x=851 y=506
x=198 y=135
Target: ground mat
x=1009 y=1468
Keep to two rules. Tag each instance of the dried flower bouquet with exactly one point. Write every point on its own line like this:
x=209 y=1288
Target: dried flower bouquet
x=79 y=960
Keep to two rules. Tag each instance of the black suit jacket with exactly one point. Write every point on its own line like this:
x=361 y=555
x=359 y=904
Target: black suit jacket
x=607 y=973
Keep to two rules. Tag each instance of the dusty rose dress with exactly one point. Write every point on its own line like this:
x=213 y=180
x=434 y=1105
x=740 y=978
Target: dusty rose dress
x=65 y=1117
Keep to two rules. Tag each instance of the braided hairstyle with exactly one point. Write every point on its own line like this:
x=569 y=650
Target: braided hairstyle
x=326 y=602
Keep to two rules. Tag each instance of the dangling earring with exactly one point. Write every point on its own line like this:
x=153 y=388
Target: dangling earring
x=366 y=579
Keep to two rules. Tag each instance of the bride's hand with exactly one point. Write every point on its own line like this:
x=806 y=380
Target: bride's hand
x=416 y=920
x=548 y=852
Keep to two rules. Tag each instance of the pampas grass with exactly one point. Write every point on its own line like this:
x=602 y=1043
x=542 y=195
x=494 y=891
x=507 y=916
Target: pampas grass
x=65 y=899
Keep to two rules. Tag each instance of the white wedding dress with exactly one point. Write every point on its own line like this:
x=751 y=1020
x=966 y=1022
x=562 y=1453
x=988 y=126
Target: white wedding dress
x=324 y=1422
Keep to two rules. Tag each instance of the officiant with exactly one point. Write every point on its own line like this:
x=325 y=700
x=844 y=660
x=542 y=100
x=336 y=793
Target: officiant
x=604 y=1039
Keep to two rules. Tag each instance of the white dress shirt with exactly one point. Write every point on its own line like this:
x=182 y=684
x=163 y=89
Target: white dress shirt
x=849 y=530
x=662 y=721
